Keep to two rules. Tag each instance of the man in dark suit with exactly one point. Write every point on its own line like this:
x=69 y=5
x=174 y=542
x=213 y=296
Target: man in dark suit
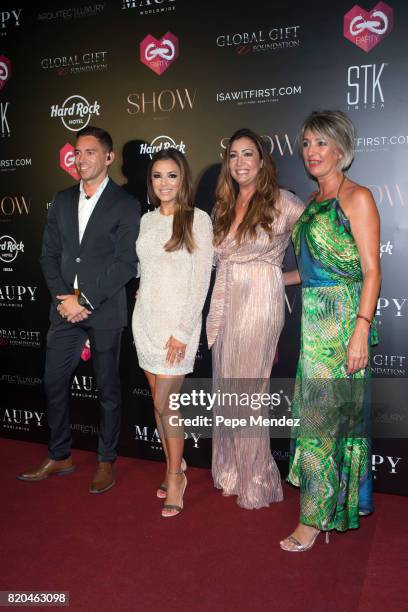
x=88 y=256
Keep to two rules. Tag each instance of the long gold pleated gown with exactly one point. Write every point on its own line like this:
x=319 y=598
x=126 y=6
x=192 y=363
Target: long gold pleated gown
x=243 y=327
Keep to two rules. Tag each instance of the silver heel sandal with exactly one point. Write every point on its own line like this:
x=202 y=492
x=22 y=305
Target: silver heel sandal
x=177 y=507
x=161 y=492
x=299 y=547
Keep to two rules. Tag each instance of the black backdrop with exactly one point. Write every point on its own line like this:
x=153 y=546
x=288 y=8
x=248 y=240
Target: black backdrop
x=228 y=64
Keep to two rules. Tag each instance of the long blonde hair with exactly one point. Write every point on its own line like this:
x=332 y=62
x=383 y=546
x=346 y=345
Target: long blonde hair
x=183 y=218
x=261 y=209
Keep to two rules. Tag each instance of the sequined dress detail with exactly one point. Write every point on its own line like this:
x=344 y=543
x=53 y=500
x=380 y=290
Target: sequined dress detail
x=173 y=288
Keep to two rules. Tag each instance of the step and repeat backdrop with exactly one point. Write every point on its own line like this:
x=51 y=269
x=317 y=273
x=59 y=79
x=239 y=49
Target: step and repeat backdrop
x=187 y=73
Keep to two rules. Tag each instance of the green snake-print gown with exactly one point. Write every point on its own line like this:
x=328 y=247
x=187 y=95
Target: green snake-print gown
x=330 y=452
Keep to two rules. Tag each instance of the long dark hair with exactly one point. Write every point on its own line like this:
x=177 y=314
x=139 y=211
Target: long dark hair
x=182 y=235
x=262 y=205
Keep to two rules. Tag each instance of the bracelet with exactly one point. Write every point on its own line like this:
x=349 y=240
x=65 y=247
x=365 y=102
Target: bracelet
x=360 y=316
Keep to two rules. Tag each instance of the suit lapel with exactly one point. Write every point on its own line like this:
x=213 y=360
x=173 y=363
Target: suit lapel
x=73 y=214
x=104 y=202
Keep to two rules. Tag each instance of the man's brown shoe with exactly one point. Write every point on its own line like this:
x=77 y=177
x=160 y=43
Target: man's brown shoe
x=104 y=478
x=49 y=467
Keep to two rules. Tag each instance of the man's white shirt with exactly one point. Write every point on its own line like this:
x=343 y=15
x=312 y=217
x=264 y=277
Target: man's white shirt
x=85 y=208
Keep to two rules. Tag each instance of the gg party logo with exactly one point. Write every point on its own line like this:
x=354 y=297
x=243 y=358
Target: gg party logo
x=158 y=55
x=5 y=70
x=67 y=160
x=366 y=29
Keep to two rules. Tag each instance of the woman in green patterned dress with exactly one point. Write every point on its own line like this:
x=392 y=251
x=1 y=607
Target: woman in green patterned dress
x=337 y=246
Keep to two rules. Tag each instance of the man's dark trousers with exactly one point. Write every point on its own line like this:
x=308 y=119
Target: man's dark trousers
x=64 y=346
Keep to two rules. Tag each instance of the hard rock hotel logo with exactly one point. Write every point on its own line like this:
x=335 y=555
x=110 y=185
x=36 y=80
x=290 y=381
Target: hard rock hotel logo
x=367 y=29
x=75 y=112
x=278 y=144
x=365 y=90
x=271 y=39
x=158 y=55
x=386 y=248
x=10 y=250
x=161 y=143
x=161 y=102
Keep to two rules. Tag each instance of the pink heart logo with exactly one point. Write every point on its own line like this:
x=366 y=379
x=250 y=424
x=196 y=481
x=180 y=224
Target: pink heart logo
x=67 y=160
x=366 y=29
x=158 y=55
x=5 y=70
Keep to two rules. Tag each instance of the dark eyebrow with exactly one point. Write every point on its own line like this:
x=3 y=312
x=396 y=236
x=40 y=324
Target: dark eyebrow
x=246 y=149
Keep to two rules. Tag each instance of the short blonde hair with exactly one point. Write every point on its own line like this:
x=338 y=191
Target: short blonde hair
x=335 y=126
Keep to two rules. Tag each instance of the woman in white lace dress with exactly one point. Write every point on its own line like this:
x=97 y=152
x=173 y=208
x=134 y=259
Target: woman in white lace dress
x=175 y=253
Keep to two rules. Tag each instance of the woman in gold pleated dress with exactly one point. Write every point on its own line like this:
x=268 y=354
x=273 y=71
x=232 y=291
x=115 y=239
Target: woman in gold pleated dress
x=253 y=220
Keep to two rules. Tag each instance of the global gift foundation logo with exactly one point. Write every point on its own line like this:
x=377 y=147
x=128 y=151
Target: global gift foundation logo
x=366 y=29
x=24 y=338
x=67 y=161
x=158 y=55
x=5 y=70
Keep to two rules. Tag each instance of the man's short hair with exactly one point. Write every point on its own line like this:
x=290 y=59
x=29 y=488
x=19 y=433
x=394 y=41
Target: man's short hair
x=102 y=135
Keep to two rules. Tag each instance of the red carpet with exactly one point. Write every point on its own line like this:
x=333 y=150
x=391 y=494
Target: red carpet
x=114 y=552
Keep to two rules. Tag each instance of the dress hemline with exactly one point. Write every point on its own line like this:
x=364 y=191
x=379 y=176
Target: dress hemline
x=159 y=371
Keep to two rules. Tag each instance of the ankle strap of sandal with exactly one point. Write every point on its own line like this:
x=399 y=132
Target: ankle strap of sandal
x=176 y=473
